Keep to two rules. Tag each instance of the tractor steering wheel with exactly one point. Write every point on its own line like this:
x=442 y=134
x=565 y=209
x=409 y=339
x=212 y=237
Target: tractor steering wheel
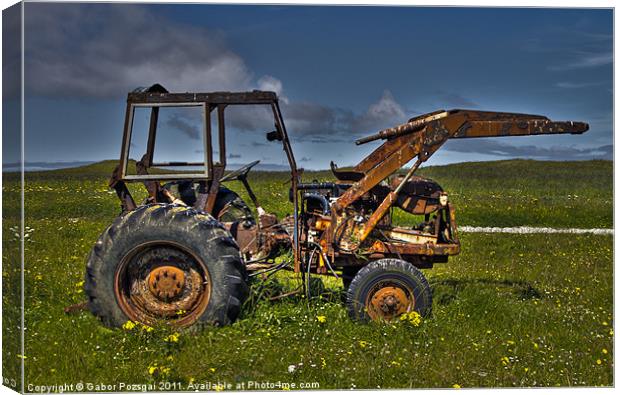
x=240 y=173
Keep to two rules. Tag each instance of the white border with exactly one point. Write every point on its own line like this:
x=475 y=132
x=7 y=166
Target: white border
x=456 y=3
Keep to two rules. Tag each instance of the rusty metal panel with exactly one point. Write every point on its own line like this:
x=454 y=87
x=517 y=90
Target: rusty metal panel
x=254 y=97
x=518 y=128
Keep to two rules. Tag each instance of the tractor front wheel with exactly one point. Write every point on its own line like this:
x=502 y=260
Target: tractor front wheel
x=166 y=263
x=386 y=289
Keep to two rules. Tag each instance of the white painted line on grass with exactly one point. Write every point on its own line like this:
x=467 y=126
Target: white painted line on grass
x=533 y=229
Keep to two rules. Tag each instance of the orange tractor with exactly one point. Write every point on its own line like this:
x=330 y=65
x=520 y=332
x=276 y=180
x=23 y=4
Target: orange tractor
x=186 y=253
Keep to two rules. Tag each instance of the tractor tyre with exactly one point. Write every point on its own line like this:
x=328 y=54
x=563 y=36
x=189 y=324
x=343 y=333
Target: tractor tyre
x=387 y=288
x=166 y=263
x=229 y=207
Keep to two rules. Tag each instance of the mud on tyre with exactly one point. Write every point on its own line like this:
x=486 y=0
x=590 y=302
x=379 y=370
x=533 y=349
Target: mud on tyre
x=166 y=262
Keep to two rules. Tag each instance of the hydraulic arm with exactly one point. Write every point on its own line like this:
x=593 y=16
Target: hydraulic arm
x=422 y=136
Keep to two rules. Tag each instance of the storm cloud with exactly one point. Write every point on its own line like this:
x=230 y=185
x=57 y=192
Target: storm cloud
x=190 y=130
x=105 y=50
x=317 y=123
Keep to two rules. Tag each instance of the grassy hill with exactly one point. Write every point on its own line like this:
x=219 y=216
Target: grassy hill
x=503 y=193
x=510 y=310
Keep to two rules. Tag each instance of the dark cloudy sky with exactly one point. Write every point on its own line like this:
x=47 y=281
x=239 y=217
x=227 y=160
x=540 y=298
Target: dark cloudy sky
x=341 y=72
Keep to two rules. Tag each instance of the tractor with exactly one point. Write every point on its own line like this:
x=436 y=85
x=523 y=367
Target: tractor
x=185 y=255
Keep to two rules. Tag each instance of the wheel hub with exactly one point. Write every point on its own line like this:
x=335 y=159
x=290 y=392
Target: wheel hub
x=166 y=282
x=389 y=302
x=162 y=280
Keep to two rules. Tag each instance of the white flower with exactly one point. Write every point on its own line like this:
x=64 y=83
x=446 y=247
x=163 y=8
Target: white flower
x=291 y=368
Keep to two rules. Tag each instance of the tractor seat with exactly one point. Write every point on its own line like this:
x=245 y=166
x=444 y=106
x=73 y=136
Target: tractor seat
x=345 y=175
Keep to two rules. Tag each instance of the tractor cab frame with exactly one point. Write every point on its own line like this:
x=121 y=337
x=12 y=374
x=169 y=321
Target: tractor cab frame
x=209 y=180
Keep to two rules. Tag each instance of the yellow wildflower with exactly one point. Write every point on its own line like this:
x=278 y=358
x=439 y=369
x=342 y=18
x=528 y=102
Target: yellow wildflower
x=413 y=317
x=212 y=370
x=129 y=325
x=604 y=351
x=363 y=343
x=598 y=362
x=173 y=338
x=456 y=386
x=321 y=318
x=152 y=369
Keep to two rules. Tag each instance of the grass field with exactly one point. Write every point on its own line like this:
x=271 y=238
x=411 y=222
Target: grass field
x=510 y=310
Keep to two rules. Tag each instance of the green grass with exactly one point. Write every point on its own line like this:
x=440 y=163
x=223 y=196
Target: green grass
x=510 y=310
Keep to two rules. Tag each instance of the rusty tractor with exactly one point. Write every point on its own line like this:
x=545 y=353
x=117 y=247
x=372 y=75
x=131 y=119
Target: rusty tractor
x=185 y=254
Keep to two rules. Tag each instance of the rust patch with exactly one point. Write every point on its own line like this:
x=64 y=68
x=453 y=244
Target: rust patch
x=166 y=282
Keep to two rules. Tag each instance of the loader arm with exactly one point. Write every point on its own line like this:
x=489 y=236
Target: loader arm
x=422 y=136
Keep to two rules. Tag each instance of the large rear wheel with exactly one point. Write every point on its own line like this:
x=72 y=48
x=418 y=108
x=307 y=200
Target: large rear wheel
x=166 y=263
